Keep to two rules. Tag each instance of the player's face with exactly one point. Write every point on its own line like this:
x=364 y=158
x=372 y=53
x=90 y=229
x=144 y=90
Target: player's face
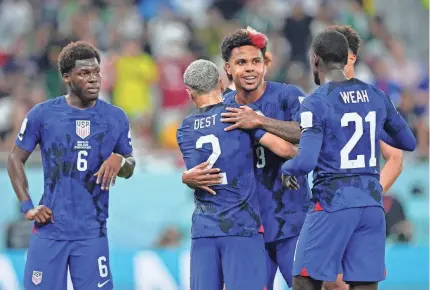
x=85 y=79
x=247 y=67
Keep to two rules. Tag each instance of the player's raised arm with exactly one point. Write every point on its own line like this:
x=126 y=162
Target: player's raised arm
x=396 y=131
x=311 y=115
x=27 y=139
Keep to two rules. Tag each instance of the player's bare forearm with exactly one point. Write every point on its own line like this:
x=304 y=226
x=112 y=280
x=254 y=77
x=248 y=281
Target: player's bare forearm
x=287 y=130
x=15 y=168
x=127 y=170
x=393 y=165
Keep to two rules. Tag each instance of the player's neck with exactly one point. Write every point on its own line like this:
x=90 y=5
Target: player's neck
x=349 y=72
x=248 y=97
x=208 y=100
x=231 y=86
x=333 y=75
x=74 y=101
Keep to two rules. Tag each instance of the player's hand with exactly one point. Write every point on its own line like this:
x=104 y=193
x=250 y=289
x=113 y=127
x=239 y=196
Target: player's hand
x=290 y=182
x=201 y=177
x=243 y=118
x=41 y=214
x=108 y=171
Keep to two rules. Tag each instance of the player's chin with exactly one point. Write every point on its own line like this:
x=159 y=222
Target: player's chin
x=91 y=96
x=250 y=87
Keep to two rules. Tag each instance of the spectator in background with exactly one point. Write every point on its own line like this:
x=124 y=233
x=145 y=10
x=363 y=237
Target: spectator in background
x=18 y=233
x=298 y=33
x=399 y=229
x=169 y=238
x=135 y=73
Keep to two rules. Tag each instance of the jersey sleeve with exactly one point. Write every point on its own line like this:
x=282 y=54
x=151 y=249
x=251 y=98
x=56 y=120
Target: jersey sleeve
x=30 y=132
x=397 y=130
x=257 y=134
x=295 y=97
x=185 y=146
x=123 y=145
x=312 y=114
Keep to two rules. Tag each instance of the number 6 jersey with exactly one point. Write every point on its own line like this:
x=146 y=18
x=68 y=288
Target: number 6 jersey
x=74 y=143
x=234 y=210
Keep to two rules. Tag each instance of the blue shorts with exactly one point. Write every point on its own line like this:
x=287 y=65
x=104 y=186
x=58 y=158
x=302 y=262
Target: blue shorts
x=48 y=260
x=349 y=241
x=280 y=254
x=237 y=262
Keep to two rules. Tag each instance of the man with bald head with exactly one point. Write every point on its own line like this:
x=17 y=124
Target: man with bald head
x=227 y=244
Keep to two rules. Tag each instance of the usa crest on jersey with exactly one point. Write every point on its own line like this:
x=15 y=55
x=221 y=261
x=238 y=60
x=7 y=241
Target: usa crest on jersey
x=37 y=277
x=83 y=128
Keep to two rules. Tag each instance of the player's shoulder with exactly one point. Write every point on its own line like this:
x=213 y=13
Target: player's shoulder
x=45 y=106
x=285 y=91
x=112 y=110
x=228 y=98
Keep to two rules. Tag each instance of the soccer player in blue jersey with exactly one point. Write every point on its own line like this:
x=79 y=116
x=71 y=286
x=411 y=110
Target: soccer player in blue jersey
x=85 y=144
x=227 y=245
x=273 y=107
x=342 y=123
x=393 y=156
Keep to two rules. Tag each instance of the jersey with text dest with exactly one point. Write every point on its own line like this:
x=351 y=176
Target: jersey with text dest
x=74 y=143
x=283 y=211
x=342 y=124
x=234 y=210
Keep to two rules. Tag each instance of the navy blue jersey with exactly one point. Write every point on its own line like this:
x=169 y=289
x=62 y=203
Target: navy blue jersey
x=74 y=143
x=342 y=125
x=283 y=211
x=234 y=210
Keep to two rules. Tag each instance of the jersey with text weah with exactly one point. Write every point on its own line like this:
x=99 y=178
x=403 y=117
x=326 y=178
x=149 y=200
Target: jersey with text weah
x=74 y=143
x=349 y=116
x=234 y=210
x=283 y=211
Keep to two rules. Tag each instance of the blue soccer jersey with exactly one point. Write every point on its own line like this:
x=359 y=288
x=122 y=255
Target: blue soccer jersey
x=283 y=211
x=234 y=210
x=342 y=124
x=74 y=143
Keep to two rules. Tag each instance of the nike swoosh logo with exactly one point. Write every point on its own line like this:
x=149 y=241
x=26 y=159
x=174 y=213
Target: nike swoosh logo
x=100 y=285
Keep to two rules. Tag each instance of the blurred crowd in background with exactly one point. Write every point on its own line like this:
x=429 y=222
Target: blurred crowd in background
x=147 y=44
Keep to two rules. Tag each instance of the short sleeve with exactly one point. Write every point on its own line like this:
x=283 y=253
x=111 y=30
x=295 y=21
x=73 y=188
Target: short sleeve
x=257 y=134
x=295 y=97
x=123 y=145
x=312 y=112
x=30 y=131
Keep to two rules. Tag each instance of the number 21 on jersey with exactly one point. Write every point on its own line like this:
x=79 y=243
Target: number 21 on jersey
x=359 y=162
x=216 y=151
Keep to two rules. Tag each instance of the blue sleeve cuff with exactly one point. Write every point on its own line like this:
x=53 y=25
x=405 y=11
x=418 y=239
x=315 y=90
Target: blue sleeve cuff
x=26 y=205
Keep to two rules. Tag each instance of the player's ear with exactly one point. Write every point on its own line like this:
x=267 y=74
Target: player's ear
x=66 y=78
x=316 y=60
x=227 y=68
x=268 y=57
x=352 y=58
x=190 y=93
x=221 y=85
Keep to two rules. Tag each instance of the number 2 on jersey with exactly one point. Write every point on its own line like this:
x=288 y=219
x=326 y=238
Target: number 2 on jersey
x=359 y=162
x=216 y=151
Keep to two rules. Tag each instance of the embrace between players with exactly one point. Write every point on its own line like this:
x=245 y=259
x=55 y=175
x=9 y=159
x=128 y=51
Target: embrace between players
x=247 y=223
x=254 y=210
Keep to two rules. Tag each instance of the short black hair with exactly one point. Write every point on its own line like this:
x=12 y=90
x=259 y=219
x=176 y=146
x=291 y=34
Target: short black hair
x=237 y=39
x=331 y=46
x=74 y=51
x=351 y=35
